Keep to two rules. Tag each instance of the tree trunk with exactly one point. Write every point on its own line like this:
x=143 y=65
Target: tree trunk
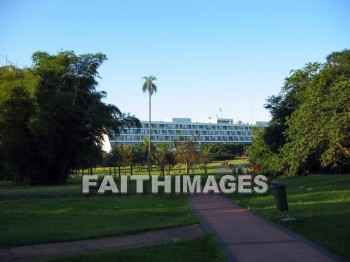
x=149 y=133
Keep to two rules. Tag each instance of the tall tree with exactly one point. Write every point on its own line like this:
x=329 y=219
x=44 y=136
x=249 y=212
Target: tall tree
x=309 y=130
x=268 y=142
x=319 y=130
x=16 y=140
x=150 y=88
x=72 y=117
x=283 y=105
x=63 y=118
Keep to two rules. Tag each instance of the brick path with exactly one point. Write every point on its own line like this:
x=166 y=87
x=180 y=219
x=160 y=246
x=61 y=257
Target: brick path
x=247 y=237
x=44 y=251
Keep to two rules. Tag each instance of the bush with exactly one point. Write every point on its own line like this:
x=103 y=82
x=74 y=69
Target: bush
x=223 y=157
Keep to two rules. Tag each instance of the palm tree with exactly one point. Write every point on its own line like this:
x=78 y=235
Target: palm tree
x=150 y=88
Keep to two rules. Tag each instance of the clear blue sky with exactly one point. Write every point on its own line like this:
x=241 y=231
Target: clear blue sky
x=206 y=55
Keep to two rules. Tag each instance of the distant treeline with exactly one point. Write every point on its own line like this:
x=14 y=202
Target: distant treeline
x=166 y=155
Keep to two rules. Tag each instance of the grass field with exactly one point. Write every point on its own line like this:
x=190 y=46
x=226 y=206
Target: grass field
x=44 y=214
x=204 y=248
x=73 y=186
x=24 y=222
x=321 y=205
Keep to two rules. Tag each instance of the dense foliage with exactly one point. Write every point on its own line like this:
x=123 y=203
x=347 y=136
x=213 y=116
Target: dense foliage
x=52 y=118
x=310 y=126
x=223 y=151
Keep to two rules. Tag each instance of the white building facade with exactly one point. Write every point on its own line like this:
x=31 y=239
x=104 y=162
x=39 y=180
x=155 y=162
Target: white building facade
x=216 y=130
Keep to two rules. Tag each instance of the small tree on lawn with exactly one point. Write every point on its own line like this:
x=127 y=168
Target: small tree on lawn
x=126 y=156
x=186 y=152
x=162 y=155
x=204 y=158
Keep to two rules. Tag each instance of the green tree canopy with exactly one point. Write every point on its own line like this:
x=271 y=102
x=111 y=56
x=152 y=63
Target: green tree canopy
x=309 y=130
x=319 y=129
x=69 y=116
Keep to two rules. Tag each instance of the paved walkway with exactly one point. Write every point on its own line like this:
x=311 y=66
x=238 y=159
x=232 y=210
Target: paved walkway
x=247 y=237
x=44 y=251
x=220 y=170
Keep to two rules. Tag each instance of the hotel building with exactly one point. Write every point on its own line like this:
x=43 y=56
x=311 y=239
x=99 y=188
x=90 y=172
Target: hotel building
x=216 y=130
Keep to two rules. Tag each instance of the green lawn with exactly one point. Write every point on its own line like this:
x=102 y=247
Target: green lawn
x=24 y=222
x=5 y=183
x=62 y=213
x=204 y=248
x=45 y=214
x=35 y=192
x=321 y=205
x=73 y=186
